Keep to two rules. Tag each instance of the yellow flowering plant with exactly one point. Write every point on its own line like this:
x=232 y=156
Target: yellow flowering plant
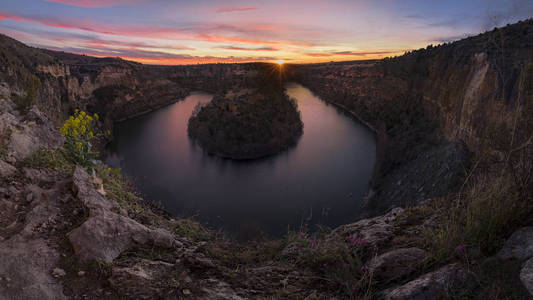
x=79 y=131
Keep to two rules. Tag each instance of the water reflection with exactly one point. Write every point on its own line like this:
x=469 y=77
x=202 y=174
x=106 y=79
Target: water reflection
x=321 y=180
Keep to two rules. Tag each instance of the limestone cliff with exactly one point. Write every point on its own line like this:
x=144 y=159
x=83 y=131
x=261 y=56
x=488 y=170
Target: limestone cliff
x=477 y=92
x=469 y=86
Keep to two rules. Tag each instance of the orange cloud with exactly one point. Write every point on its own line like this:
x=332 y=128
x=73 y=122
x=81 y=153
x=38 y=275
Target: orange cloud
x=318 y=54
x=248 y=49
x=349 y=53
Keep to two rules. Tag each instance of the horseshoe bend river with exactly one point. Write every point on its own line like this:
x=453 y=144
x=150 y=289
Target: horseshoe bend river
x=321 y=180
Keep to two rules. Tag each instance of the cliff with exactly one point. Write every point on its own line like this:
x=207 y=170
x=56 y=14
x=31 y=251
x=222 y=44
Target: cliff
x=468 y=86
x=477 y=92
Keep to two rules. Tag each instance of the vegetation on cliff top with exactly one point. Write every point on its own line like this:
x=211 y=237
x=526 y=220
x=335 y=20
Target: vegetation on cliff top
x=248 y=123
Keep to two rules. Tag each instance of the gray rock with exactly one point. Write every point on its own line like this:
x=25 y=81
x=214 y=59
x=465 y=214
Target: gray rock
x=37 y=176
x=375 y=231
x=219 y=290
x=24 y=137
x=519 y=245
x=433 y=285
x=6 y=169
x=26 y=258
x=396 y=263
x=143 y=279
x=106 y=234
x=526 y=275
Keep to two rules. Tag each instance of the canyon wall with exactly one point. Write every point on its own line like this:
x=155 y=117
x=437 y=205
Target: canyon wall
x=435 y=109
x=471 y=87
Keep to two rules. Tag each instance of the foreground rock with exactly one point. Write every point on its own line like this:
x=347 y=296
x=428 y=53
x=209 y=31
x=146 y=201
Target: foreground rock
x=526 y=275
x=374 y=231
x=519 y=245
x=26 y=258
x=106 y=234
x=396 y=263
x=434 y=285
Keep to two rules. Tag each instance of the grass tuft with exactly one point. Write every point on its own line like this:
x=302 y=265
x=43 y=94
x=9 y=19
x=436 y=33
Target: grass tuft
x=46 y=158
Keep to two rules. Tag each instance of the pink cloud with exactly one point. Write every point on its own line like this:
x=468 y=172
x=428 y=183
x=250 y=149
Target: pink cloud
x=248 y=49
x=102 y=44
x=235 y=9
x=94 y=3
x=160 y=58
x=145 y=31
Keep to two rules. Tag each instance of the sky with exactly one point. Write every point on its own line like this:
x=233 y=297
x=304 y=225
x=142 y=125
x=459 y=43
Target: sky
x=175 y=32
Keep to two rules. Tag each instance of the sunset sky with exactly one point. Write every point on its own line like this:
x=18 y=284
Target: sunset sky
x=203 y=31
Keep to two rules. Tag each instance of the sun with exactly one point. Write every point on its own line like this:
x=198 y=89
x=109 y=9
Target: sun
x=280 y=62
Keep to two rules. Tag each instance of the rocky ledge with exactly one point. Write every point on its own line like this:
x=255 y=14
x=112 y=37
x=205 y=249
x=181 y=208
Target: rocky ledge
x=246 y=124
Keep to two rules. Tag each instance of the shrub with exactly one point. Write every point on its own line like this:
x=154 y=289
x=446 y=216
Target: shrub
x=339 y=262
x=479 y=219
x=79 y=131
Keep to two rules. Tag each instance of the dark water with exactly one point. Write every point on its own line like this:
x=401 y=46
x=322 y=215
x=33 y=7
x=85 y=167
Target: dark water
x=321 y=180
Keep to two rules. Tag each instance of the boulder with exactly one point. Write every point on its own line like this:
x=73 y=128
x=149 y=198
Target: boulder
x=396 y=263
x=526 y=275
x=374 y=231
x=106 y=233
x=519 y=245
x=434 y=285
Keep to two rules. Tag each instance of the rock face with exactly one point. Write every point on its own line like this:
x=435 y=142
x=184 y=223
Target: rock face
x=396 y=263
x=442 y=167
x=434 y=285
x=106 y=234
x=24 y=135
x=526 y=275
x=464 y=85
x=519 y=245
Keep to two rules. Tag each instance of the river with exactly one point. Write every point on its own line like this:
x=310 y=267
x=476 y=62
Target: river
x=322 y=180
